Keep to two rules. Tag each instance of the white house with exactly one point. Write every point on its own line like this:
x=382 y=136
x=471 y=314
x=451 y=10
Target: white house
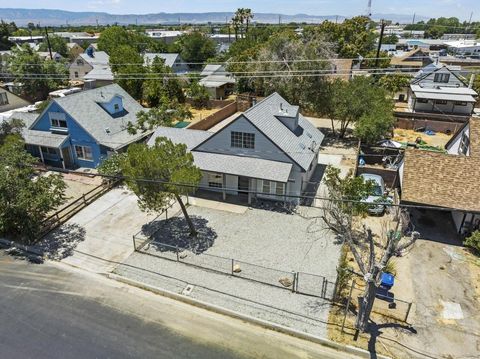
x=464 y=47
x=268 y=152
x=167 y=36
x=439 y=89
x=218 y=82
x=173 y=60
x=92 y=66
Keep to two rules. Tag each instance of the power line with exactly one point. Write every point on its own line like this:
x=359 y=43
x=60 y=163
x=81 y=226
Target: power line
x=315 y=197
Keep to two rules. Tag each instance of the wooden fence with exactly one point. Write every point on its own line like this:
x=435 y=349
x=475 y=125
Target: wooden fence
x=215 y=118
x=67 y=212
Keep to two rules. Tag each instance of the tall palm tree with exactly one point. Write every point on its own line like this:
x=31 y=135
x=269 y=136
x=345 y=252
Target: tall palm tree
x=248 y=16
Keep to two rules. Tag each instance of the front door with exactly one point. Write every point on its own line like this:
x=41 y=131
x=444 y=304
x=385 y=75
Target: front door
x=67 y=157
x=243 y=185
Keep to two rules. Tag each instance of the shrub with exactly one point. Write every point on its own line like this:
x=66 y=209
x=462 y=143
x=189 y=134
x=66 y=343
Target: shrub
x=473 y=241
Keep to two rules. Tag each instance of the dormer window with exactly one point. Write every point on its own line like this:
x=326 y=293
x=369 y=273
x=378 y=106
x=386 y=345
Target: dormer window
x=57 y=120
x=116 y=107
x=444 y=78
x=79 y=62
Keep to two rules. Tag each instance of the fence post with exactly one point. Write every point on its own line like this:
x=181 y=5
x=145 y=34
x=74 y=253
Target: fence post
x=134 y=246
x=176 y=250
x=322 y=293
x=84 y=200
x=294 y=283
x=408 y=312
x=348 y=305
x=166 y=213
x=233 y=265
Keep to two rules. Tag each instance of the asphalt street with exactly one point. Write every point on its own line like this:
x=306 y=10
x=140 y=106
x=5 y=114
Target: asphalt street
x=54 y=311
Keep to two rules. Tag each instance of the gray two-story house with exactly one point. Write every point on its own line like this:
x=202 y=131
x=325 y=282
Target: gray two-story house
x=270 y=151
x=439 y=89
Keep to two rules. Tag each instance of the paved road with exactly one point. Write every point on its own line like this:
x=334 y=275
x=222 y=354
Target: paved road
x=55 y=311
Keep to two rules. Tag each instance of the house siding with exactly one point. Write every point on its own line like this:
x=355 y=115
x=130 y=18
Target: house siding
x=455 y=145
x=14 y=101
x=428 y=81
x=77 y=136
x=264 y=148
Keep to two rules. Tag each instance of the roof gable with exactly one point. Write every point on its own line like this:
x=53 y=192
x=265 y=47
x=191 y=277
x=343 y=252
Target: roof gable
x=108 y=130
x=299 y=146
x=430 y=75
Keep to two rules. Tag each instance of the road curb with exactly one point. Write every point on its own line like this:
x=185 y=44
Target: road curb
x=29 y=249
x=247 y=318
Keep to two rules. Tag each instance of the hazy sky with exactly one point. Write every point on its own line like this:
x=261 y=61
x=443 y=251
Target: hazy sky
x=431 y=8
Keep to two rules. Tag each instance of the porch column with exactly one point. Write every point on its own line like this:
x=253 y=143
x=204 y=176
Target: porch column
x=250 y=189
x=61 y=157
x=224 y=185
x=41 y=154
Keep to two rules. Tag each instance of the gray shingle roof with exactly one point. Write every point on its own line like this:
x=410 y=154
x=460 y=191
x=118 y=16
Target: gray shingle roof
x=243 y=166
x=210 y=69
x=85 y=109
x=99 y=58
x=38 y=138
x=191 y=138
x=169 y=58
x=298 y=146
x=230 y=164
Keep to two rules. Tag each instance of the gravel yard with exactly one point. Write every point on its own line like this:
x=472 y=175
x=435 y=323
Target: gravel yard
x=275 y=240
x=283 y=242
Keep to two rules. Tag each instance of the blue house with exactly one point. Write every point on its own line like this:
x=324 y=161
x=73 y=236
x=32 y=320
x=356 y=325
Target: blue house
x=82 y=129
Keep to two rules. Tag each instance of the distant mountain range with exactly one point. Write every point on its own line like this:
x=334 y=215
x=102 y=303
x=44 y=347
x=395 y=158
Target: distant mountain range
x=60 y=17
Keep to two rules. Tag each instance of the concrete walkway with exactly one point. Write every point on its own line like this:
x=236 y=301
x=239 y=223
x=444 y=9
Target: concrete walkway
x=104 y=230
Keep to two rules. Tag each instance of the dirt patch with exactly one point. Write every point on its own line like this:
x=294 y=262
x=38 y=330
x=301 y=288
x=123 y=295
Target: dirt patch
x=438 y=139
x=200 y=114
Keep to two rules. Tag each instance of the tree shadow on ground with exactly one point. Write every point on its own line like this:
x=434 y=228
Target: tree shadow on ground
x=168 y=234
x=375 y=331
x=61 y=242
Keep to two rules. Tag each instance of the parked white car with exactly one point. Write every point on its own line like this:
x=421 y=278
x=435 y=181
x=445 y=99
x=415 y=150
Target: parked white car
x=378 y=195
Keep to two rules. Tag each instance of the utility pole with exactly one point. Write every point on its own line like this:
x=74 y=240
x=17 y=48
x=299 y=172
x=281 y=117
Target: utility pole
x=48 y=43
x=279 y=19
x=380 y=43
x=336 y=19
x=413 y=23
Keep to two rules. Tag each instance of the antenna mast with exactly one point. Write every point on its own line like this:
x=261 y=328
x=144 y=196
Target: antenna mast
x=369 y=8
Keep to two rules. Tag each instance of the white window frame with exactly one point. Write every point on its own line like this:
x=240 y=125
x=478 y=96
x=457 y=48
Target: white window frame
x=464 y=144
x=242 y=140
x=85 y=155
x=272 y=188
x=57 y=123
x=215 y=180
x=440 y=78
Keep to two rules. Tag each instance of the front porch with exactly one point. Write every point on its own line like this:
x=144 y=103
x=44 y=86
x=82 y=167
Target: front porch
x=52 y=149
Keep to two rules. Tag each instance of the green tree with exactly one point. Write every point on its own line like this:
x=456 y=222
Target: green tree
x=198 y=94
x=6 y=30
x=197 y=47
x=287 y=54
x=164 y=115
x=393 y=83
x=38 y=77
x=161 y=83
x=375 y=124
x=359 y=100
x=473 y=241
x=159 y=174
x=390 y=39
x=115 y=36
x=128 y=66
x=352 y=37
x=25 y=198
x=57 y=43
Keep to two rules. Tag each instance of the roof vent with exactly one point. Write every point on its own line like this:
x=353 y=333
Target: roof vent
x=302 y=145
x=281 y=107
x=309 y=134
x=107 y=130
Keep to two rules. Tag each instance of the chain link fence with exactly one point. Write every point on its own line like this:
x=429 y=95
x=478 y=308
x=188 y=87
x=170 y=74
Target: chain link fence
x=297 y=282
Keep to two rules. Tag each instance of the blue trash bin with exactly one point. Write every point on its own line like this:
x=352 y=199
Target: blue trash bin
x=387 y=281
